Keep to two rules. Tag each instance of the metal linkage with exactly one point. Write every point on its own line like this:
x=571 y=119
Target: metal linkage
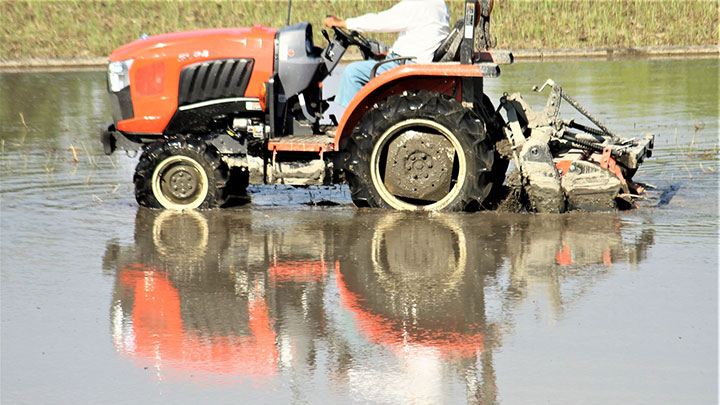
x=589 y=130
x=579 y=108
x=581 y=143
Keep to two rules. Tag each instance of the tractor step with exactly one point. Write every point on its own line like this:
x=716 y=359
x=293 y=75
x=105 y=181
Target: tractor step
x=302 y=143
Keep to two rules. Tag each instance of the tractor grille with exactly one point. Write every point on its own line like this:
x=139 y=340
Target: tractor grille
x=213 y=80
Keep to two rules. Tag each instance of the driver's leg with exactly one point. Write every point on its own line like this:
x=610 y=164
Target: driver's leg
x=355 y=76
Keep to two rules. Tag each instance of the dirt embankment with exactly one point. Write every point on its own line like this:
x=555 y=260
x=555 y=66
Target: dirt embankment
x=521 y=54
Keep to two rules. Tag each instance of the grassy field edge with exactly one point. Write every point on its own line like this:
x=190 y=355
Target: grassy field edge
x=84 y=29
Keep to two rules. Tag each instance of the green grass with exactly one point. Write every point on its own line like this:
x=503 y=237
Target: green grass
x=82 y=29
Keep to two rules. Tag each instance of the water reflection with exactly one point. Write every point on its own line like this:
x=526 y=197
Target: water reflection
x=177 y=309
x=389 y=306
x=414 y=288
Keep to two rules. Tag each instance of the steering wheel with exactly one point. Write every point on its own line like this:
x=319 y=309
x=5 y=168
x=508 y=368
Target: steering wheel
x=353 y=38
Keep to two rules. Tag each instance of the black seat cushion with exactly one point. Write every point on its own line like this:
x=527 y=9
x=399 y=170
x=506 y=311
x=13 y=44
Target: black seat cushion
x=449 y=49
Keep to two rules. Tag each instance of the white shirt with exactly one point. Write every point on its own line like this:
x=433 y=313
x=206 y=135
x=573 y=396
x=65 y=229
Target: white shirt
x=421 y=26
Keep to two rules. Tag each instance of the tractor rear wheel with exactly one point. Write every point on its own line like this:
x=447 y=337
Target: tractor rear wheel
x=180 y=173
x=420 y=151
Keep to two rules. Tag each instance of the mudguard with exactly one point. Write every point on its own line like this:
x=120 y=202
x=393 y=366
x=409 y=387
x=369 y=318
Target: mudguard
x=436 y=77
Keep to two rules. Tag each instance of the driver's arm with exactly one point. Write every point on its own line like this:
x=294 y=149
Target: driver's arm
x=332 y=21
x=397 y=18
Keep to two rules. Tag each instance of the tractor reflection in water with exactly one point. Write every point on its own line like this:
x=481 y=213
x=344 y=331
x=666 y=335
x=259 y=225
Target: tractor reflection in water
x=388 y=299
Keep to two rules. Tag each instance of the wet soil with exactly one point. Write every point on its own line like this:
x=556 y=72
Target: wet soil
x=294 y=295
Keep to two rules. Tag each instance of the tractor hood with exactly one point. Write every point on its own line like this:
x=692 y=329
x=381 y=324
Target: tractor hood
x=151 y=69
x=194 y=44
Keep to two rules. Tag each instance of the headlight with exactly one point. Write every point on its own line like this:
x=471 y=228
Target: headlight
x=119 y=75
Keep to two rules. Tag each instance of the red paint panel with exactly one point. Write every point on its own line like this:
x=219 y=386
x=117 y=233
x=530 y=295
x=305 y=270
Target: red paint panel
x=150 y=79
x=154 y=109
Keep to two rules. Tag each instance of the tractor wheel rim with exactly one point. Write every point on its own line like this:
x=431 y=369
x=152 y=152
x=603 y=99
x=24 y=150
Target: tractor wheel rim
x=195 y=235
x=387 y=277
x=378 y=178
x=179 y=182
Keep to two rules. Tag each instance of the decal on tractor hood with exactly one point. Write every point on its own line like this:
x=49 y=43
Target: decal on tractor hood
x=195 y=55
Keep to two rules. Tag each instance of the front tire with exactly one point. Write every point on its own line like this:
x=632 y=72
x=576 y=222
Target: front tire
x=420 y=151
x=180 y=174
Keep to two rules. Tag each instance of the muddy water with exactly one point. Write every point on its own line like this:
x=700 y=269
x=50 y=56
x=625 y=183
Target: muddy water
x=283 y=301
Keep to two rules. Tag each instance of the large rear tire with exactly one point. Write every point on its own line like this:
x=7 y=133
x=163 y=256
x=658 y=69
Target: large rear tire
x=420 y=151
x=179 y=174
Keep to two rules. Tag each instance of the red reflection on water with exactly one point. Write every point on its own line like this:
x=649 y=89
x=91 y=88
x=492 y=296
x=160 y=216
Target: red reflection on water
x=156 y=333
x=607 y=258
x=564 y=258
x=297 y=271
x=397 y=335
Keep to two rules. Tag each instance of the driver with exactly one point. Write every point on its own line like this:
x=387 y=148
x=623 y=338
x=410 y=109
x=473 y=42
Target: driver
x=421 y=26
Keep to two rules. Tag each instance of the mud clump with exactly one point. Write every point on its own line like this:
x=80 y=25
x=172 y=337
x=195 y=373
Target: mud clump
x=513 y=196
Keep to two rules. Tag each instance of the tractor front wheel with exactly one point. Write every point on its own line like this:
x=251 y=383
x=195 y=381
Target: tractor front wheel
x=420 y=151
x=180 y=173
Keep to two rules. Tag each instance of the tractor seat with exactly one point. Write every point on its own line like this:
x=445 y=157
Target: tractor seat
x=449 y=49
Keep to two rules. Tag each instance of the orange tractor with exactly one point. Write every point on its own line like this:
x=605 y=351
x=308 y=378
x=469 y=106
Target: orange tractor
x=216 y=110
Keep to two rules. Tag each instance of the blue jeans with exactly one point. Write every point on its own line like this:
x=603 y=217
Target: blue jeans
x=356 y=75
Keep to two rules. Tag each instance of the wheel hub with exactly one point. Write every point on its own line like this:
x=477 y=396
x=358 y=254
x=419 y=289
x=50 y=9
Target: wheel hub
x=181 y=183
x=419 y=166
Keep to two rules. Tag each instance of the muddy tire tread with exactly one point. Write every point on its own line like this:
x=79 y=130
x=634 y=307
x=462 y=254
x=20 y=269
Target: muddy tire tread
x=467 y=126
x=207 y=156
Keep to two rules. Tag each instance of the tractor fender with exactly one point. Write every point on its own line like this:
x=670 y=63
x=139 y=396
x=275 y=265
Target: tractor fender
x=437 y=77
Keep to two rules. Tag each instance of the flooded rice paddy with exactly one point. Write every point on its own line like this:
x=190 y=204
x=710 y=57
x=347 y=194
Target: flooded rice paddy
x=288 y=299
